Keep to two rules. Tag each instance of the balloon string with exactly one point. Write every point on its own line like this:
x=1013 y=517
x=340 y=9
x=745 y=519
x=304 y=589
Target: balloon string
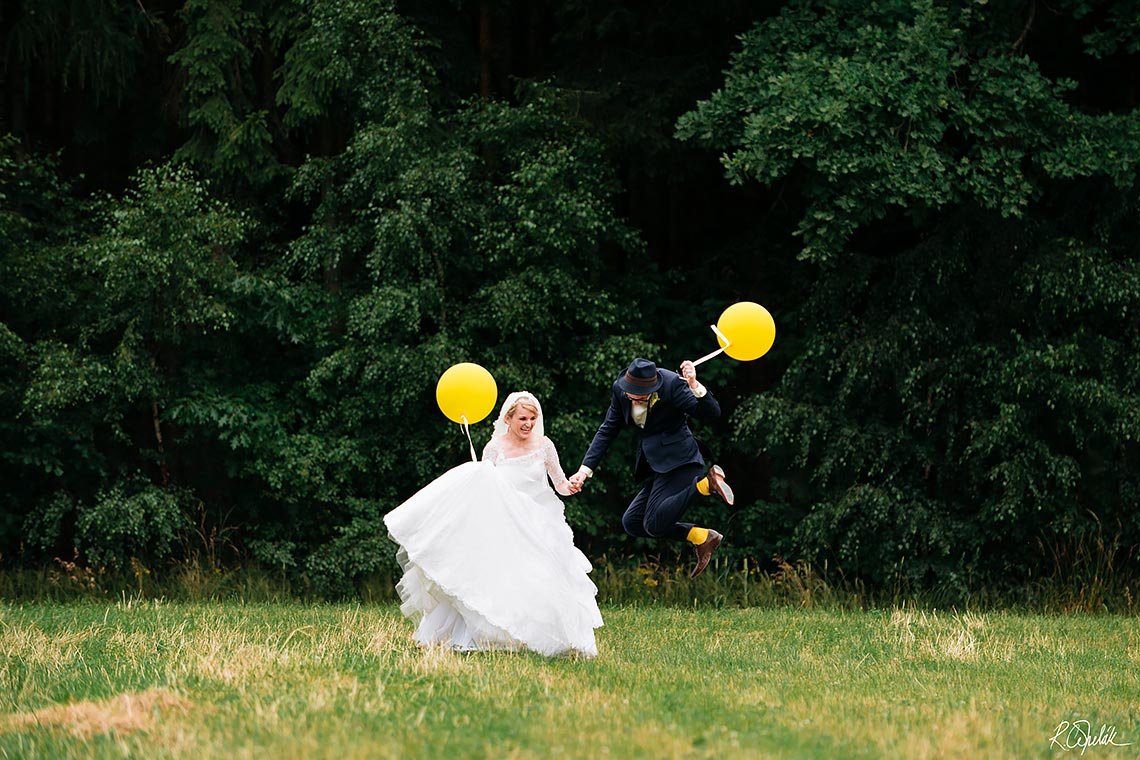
x=706 y=357
x=719 y=351
x=467 y=430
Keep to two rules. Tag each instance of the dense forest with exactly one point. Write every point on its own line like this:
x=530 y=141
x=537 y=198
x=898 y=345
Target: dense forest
x=240 y=240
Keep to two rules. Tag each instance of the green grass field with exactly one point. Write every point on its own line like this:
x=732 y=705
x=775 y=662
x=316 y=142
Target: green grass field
x=157 y=679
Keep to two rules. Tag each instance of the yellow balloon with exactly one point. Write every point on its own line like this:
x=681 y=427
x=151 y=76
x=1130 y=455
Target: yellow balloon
x=466 y=393
x=750 y=330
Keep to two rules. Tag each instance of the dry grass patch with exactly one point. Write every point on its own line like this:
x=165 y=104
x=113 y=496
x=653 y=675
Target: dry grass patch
x=236 y=662
x=968 y=731
x=385 y=637
x=124 y=714
x=32 y=646
x=958 y=636
x=241 y=658
x=434 y=660
x=654 y=739
x=961 y=645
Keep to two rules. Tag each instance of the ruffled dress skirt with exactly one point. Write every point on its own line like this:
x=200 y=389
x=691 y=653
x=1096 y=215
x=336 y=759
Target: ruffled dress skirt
x=490 y=563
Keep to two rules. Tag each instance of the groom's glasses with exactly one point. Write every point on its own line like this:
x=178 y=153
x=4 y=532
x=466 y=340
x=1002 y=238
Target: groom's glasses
x=632 y=397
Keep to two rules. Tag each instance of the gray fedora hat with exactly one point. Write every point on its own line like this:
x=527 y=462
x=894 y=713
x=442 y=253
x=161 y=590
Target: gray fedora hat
x=641 y=379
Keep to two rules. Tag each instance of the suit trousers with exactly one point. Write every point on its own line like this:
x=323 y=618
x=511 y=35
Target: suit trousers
x=656 y=510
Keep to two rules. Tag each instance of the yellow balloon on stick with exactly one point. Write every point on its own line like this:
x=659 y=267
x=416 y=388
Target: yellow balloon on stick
x=746 y=331
x=466 y=393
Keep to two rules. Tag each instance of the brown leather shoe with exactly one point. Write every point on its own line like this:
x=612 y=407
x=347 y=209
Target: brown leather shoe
x=705 y=552
x=717 y=486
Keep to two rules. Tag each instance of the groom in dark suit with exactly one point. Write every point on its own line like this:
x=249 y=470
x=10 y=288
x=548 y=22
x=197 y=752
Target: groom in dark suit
x=657 y=403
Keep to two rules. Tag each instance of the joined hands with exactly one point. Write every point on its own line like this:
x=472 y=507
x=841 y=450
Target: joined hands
x=577 y=480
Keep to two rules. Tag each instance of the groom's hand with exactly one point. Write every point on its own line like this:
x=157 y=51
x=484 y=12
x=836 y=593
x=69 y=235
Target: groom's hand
x=578 y=479
x=689 y=372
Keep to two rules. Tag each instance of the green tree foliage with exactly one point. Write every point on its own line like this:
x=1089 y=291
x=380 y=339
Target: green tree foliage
x=132 y=521
x=225 y=88
x=284 y=381
x=38 y=213
x=316 y=206
x=451 y=233
x=91 y=47
x=146 y=293
x=963 y=389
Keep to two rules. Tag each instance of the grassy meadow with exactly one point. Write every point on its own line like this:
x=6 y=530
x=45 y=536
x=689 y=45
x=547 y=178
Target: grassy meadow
x=162 y=679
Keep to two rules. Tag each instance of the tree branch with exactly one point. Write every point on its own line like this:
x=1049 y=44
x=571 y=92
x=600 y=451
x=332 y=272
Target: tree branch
x=1024 y=32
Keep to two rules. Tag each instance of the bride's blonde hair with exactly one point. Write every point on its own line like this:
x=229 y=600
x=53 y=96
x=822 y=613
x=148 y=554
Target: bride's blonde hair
x=525 y=399
x=526 y=403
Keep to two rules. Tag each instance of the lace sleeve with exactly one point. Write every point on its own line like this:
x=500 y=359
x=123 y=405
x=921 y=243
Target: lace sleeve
x=554 y=469
x=491 y=451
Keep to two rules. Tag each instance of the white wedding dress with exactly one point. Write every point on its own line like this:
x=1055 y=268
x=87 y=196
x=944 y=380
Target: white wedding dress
x=489 y=561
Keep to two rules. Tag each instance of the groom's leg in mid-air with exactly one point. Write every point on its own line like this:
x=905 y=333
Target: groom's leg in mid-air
x=656 y=510
x=670 y=495
x=634 y=518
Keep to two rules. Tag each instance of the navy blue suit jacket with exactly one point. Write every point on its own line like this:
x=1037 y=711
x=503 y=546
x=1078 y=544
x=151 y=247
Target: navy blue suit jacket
x=665 y=443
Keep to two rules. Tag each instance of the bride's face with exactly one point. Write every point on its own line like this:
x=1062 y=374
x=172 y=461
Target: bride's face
x=522 y=422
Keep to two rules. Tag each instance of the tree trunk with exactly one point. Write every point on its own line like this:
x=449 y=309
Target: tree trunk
x=164 y=469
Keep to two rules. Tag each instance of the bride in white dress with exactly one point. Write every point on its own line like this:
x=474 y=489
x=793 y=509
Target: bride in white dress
x=489 y=561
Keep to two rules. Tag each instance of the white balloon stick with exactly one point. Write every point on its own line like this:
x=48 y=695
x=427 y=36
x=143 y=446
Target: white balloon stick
x=719 y=351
